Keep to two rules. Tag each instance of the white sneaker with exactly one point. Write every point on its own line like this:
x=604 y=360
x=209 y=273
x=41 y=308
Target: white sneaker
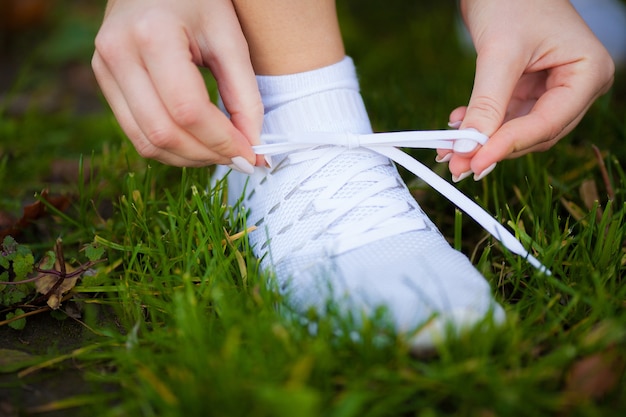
x=336 y=223
x=339 y=224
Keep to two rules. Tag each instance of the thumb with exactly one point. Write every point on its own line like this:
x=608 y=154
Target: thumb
x=494 y=83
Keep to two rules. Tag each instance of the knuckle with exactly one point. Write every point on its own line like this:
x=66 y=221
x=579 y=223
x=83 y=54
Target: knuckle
x=600 y=69
x=146 y=150
x=141 y=31
x=226 y=46
x=107 y=45
x=496 y=47
x=186 y=113
x=487 y=108
x=148 y=25
x=608 y=72
x=555 y=131
x=223 y=145
x=96 y=63
x=256 y=108
x=250 y=105
x=161 y=138
x=551 y=132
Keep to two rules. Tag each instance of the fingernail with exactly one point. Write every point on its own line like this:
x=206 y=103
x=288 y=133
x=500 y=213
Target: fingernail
x=478 y=177
x=268 y=161
x=241 y=164
x=445 y=158
x=464 y=146
x=462 y=176
x=455 y=125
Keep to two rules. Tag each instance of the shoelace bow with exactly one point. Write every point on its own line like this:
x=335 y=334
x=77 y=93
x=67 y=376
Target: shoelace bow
x=386 y=144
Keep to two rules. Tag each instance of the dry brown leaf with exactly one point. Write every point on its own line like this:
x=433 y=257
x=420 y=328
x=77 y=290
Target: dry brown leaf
x=46 y=283
x=574 y=210
x=33 y=212
x=589 y=193
x=234 y=237
x=22 y=14
x=594 y=376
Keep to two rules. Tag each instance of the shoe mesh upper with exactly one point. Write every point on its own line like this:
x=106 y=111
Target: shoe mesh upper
x=335 y=222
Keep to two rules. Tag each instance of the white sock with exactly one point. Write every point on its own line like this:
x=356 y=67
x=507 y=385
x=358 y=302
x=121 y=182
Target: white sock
x=321 y=100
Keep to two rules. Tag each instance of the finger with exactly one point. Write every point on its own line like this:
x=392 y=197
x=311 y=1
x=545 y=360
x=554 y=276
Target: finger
x=443 y=155
x=459 y=167
x=455 y=120
x=518 y=137
x=456 y=117
x=538 y=131
x=125 y=118
x=240 y=95
x=494 y=83
x=154 y=121
x=181 y=90
x=231 y=66
x=570 y=92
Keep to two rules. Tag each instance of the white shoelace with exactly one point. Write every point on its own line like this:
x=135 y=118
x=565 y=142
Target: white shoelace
x=386 y=144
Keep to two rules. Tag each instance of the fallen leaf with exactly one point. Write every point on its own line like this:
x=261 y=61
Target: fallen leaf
x=594 y=376
x=589 y=193
x=46 y=283
x=35 y=211
x=22 y=14
x=574 y=210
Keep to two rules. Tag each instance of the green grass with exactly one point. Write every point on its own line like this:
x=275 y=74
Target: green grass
x=195 y=329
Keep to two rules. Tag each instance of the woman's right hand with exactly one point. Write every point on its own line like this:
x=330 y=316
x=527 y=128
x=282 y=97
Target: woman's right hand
x=146 y=62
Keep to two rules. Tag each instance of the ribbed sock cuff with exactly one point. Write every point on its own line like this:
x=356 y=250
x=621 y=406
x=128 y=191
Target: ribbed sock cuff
x=324 y=100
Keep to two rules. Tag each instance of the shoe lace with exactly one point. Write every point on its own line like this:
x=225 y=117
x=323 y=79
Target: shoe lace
x=386 y=144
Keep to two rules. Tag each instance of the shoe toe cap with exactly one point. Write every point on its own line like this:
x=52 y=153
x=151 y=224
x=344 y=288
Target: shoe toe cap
x=424 y=291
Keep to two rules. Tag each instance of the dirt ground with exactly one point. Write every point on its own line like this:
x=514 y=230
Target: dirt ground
x=49 y=337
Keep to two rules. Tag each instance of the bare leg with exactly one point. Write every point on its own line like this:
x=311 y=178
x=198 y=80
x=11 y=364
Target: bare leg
x=289 y=36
